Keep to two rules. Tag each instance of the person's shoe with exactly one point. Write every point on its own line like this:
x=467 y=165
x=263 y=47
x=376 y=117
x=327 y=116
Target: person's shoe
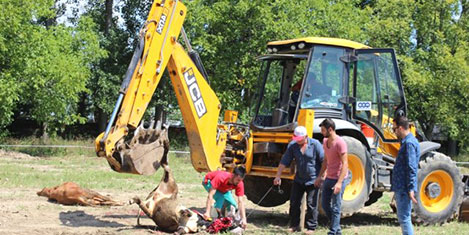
x=294 y=229
x=309 y=231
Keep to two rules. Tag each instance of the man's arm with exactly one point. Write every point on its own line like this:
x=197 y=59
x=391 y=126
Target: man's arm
x=278 y=180
x=411 y=166
x=319 y=179
x=284 y=162
x=209 y=204
x=343 y=172
x=242 y=211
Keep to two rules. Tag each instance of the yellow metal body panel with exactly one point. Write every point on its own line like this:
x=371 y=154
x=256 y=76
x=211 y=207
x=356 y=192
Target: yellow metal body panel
x=306 y=119
x=322 y=41
x=201 y=125
x=274 y=137
x=230 y=116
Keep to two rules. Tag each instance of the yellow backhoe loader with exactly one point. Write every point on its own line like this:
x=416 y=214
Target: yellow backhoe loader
x=302 y=81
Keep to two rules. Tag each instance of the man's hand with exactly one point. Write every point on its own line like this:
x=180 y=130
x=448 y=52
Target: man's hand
x=318 y=182
x=412 y=196
x=244 y=223
x=207 y=216
x=277 y=180
x=337 y=188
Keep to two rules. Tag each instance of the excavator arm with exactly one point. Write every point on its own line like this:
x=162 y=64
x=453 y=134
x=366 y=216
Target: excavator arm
x=158 y=49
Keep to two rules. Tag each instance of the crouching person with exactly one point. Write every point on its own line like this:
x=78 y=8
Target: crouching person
x=308 y=154
x=219 y=185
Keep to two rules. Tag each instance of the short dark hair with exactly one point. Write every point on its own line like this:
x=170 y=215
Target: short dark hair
x=240 y=171
x=402 y=121
x=327 y=123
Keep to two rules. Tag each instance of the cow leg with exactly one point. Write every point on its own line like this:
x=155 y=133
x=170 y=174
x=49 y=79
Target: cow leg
x=143 y=208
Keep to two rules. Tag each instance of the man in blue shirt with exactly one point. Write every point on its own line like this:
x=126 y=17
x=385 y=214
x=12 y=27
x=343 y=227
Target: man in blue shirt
x=308 y=154
x=404 y=173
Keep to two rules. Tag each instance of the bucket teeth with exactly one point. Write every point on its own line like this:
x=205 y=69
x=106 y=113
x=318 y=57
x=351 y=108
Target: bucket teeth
x=146 y=150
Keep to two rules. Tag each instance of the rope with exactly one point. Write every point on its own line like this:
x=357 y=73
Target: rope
x=268 y=191
x=66 y=146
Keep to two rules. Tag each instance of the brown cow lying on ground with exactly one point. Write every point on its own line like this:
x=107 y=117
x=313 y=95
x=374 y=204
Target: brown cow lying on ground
x=162 y=207
x=70 y=193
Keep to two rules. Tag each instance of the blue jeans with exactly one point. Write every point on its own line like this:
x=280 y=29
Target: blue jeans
x=404 y=210
x=331 y=203
x=221 y=198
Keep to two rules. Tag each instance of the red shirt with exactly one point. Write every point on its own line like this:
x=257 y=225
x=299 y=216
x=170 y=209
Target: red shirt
x=219 y=181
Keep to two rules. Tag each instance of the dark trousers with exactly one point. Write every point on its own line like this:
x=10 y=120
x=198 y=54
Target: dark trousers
x=296 y=197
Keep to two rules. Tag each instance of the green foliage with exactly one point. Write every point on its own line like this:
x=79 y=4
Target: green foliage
x=44 y=67
x=47 y=70
x=229 y=35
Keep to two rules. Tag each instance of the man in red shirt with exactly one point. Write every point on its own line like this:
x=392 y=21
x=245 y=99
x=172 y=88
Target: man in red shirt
x=219 y=185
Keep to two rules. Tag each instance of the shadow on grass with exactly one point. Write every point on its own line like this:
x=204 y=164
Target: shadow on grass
x=82 y=219
x=261 y=218
x=363 y=219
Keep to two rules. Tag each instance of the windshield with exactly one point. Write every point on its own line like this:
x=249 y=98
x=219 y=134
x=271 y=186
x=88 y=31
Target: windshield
x=324 y=80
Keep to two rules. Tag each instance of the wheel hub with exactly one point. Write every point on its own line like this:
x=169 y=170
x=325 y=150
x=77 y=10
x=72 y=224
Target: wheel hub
x=433 y=190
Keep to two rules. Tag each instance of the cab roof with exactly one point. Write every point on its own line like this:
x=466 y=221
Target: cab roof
x=323 y=41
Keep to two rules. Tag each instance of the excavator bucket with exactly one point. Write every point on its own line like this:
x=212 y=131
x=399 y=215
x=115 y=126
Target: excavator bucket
x=464 y=211
x=144 y=153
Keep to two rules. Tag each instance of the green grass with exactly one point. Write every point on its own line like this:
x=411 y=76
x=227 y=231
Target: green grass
x=87 y=171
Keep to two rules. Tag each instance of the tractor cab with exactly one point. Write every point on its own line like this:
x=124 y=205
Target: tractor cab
x=336 y=78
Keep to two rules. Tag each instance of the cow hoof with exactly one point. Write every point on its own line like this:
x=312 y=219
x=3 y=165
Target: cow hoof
x=134 y=200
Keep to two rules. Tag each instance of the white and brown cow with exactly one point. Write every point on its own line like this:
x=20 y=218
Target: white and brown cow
x=163 y=208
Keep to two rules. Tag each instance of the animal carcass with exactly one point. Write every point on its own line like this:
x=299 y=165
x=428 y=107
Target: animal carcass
x=70 y=193
x=162 y=207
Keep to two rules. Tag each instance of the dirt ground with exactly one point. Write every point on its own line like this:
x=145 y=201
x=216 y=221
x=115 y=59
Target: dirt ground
x=23 y=212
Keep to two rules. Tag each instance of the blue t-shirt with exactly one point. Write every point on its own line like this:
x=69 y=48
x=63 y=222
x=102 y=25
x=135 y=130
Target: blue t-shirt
x=404 y=173
x=308 y=165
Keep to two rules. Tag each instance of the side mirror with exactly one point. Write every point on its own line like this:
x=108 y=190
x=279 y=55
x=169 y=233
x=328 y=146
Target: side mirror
x=347 y=100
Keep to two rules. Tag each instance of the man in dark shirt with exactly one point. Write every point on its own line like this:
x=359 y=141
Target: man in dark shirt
x=308 y=154
x=404 y=173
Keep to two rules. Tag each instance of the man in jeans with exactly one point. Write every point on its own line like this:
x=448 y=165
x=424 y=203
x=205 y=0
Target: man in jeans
x=308 y=156
x=404 y=173
x=336 y=167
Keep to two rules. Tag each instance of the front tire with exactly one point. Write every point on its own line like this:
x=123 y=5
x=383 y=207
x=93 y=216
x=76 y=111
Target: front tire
x=357 y=191
x=440 y=190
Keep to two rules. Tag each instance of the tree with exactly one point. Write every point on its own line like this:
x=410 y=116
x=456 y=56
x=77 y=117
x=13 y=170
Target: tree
x=229 y=35
x=46 y=65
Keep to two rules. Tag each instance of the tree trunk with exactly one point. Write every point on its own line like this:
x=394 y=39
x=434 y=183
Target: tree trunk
x=160 y=114
x=108 y=25
x=101 y=120
x=428 y=130
x=45 y=135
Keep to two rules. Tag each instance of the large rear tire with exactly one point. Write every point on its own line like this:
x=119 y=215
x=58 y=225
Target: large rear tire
x=255 y=187
x=357 y=191
x=440 y=190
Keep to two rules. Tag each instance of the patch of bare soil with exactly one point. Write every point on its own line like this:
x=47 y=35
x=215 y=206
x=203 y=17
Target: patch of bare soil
x=25 y=213
x=15 y=155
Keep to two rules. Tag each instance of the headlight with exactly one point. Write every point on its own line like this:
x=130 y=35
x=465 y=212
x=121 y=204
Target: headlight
x=301 y=45
x=293 y=47
x=274 y=50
